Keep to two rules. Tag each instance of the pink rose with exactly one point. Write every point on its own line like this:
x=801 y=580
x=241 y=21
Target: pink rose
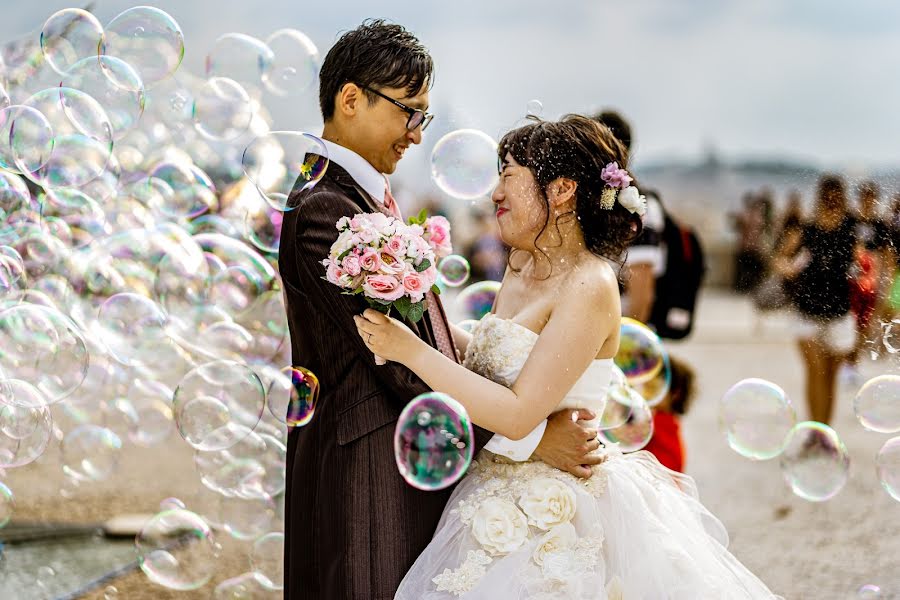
x=415 y=286
x=383 y=287
x=370 y=260
x=396 y=246
x=365 y=236
x=429 y=276
x=334 y=273
x=351 y=264
x=438 y=230
x=390 y=264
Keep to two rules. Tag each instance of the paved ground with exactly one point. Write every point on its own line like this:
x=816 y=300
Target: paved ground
x=802 y=550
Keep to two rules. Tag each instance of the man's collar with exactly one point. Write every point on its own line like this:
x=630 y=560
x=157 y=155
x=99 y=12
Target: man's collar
x=362 y=172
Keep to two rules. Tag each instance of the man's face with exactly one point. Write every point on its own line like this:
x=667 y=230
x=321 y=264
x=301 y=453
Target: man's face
x=380 y=132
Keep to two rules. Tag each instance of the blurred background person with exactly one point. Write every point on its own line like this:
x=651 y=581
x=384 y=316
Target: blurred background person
x=667 y=444
x=486 y=253
x=645 y=260
x=753 y=225
x=770 y=294
x=815 y=262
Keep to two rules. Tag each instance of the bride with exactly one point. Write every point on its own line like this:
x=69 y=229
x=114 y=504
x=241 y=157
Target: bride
x=634 y=529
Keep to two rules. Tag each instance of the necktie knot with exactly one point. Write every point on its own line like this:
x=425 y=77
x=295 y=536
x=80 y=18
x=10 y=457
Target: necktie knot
x=389 y=203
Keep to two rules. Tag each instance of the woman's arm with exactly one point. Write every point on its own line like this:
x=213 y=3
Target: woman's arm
x=581 y=322
x=461 y=338
x=784 y=263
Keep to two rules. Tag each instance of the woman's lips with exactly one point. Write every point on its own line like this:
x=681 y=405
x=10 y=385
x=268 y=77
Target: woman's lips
x=502 y=211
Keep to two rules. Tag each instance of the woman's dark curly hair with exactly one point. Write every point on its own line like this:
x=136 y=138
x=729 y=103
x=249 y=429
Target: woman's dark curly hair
x=577 y=148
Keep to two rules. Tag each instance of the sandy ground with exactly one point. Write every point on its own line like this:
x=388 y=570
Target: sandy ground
x=802 y=550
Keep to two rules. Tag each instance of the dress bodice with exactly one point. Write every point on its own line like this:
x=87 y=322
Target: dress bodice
x=499 y=349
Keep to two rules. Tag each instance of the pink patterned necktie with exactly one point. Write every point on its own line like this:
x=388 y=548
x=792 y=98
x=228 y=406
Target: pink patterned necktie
x=442 y=336
x=390 y=203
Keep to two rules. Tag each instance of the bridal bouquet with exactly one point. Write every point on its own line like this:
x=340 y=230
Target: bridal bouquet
x=391 y=263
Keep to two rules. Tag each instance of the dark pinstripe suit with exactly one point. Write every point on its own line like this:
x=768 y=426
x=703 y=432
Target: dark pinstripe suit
x=353 y=526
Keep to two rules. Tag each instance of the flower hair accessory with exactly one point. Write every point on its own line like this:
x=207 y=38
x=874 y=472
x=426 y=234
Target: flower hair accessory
x=618 y=187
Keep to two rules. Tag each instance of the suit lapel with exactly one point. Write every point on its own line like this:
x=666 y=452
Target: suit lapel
x=341 y=177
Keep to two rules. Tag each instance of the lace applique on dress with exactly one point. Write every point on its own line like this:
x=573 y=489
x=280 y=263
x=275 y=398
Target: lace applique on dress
x=498 y=349
x=461 y=580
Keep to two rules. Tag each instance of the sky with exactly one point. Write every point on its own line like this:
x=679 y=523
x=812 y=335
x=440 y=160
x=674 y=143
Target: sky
x=816 y=81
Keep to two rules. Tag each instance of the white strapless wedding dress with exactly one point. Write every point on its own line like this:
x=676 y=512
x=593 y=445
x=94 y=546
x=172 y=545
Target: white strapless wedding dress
x=633 y=531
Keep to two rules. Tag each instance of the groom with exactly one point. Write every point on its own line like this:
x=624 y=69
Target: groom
x=353 y=526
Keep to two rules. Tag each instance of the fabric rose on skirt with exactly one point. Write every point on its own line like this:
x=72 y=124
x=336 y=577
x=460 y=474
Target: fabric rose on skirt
x=548 y=502
x=499 y=526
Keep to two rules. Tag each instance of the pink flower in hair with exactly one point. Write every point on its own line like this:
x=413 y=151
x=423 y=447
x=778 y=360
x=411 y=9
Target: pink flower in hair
x=615 y=177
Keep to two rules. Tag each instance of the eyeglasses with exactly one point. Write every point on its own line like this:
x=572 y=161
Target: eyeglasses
x=417 y=117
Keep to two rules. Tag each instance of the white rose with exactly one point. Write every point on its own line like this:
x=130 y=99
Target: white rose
x=558 y=539
x=499 y=526
x=632 y=200
x=548 y=502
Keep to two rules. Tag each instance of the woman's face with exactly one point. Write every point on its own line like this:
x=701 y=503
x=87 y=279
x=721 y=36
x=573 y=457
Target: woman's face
x=520 y=204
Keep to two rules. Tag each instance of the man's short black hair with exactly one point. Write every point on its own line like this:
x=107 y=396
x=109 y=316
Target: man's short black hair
x=375 y=54
x=617 y=124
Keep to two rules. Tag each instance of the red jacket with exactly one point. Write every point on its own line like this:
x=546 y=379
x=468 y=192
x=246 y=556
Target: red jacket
x=666 y=443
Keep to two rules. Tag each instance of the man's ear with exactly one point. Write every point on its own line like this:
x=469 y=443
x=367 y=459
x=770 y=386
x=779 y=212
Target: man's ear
x=348 y=99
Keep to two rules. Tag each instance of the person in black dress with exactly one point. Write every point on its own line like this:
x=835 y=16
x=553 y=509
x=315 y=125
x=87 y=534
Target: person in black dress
x=815 y=261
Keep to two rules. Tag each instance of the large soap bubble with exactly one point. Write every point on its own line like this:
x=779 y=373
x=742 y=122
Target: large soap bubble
x=464 y=164
x=756 y=417
x=149 y=40
x=217 y=404
x=433 y=441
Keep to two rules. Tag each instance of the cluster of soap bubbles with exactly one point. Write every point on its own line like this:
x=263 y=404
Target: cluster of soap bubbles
x=641 y=381
x=760 y=423
x=140 y=217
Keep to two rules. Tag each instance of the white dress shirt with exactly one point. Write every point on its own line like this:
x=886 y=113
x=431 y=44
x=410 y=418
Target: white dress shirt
x=374 y=183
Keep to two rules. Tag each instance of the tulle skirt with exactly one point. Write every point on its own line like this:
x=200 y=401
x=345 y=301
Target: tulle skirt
x=633 y=531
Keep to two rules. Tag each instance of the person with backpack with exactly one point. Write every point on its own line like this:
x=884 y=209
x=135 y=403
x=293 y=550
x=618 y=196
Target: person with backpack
x=664 y=266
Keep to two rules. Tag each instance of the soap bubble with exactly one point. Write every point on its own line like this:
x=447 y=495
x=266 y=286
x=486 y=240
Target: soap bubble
x=70 y=35
x=877 y=404
x=295 y=65
x=90 y=453
x=636 y=431
x=240 y=58
x=83 y=138
x=26 y=426
x=292 y=396
x=218 y=403
x=281 y=162
x=7 y=504
x=27 y=142
x=476 y=300
x=815 y=462
x=246 y=585
x=41 y=345
x=887 y=464
x=464 y=164
x=454 y=270
x=149 y=40
x=433 y=441
x=115 y=85
x=222 y=109
x=129 y=325
x=641 y=354
x=267 y=560
x=176 y=549
x=756 y=417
